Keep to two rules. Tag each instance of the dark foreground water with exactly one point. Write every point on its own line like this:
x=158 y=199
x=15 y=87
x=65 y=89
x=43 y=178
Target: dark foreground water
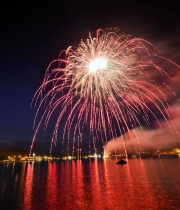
x=91 y=184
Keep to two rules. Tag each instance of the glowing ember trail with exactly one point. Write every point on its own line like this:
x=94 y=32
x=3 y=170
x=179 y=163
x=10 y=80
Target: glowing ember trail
x=103 y=83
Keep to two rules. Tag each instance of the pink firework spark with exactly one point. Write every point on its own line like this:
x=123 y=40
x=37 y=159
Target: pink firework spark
x=103 y=83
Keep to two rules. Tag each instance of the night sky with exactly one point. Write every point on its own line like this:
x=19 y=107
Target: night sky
x=33 y=34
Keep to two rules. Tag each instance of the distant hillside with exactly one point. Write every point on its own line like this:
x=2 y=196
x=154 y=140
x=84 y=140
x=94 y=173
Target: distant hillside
x=13 y=151
x=43 y=148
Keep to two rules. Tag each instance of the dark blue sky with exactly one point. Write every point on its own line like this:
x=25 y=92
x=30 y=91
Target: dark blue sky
x=33 y=34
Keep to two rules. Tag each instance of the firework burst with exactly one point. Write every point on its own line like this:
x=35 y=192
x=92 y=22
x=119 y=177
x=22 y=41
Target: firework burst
x=101 y=84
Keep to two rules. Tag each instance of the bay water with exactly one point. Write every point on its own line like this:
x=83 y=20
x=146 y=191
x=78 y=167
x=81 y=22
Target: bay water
x=91 y=184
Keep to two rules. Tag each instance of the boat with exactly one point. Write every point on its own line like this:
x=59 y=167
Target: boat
x=121 y=162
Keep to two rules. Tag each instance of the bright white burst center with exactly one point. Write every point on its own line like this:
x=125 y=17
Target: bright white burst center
x=98 y=63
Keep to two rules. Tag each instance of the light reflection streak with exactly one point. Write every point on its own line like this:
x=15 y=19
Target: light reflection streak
x=4 y=183
x=77 y=181
x=52 y=179
x=28 y=187
x=22 y=176
x=147 y=187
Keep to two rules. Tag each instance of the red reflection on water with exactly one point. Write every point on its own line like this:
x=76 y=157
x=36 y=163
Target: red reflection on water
x=147 y=187
x=78 y=187
x=163 y=189
x=27 y=197
x=51 y=195
x=96 y=184
x=94 y=191
x=68 y=187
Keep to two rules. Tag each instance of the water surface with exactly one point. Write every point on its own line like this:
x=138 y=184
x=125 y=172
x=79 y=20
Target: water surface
x=91 y=184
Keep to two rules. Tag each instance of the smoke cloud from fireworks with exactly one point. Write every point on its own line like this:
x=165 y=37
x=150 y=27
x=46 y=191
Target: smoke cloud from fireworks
x=155 y=138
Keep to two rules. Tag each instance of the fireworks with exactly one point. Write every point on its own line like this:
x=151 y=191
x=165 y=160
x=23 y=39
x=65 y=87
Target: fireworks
x=103 y=83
